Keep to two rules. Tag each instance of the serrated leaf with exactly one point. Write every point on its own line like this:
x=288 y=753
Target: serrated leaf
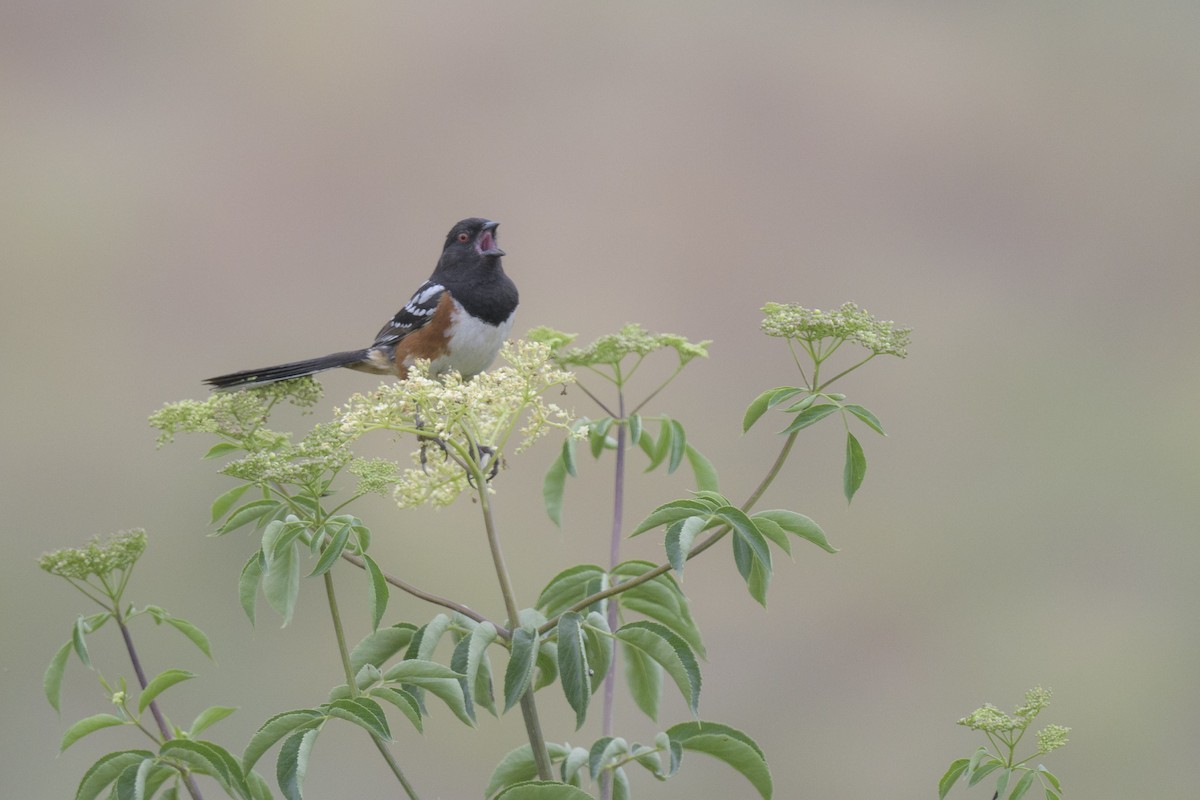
x=772 y=532
x=982 y=772
x=543 y=790
x=598 y=435
x=856 y=467
x=210 y=759
x=676 y=446
x=572 y=766
x=276 y=728
x=1002 y=781
x=1022 y=786
x=604 y=752
x=569 y=587
x=88 y=725
x=208 y=717
x=79 y=642
x=679 y=538
x=951 y=776
x=377 y=591
x=644 y=677
x=810 y=416
x=53 y=677
x=1050 y=777
x=866 y=416
x=194 y=634
x=332 y=551
x=519 y=672
x=248 y=582
x=730 y=745
x=222 y=504
x=518 y=766
x=671 y=512
x=702 y=469
x=292 y=763
x=281 y=576
x=553 y=486
x=634 y=424
x=658 y=451
x=404 y=701
x=479 y=670
x=363 y=712
x=253 y=511
x=379 y=646
x=438 y=680
x=160 y=683
x=757 y=407
x=106 y=770
x=220 y=449
x=669 y=651
x=598 y=647
x=798 y=525
x=573 y=666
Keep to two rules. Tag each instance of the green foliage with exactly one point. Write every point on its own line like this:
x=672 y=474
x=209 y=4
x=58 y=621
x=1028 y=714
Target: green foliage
x=589 y=621
x=1004 y=732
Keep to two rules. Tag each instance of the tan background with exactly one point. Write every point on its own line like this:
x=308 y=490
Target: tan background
x=191 y=190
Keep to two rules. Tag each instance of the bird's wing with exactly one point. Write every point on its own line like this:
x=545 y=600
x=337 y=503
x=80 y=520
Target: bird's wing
x=415 y=315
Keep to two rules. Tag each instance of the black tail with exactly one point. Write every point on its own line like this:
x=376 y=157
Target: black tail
x=283 y=372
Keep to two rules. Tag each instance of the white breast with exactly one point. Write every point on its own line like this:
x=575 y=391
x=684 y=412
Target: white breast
x=473 y=344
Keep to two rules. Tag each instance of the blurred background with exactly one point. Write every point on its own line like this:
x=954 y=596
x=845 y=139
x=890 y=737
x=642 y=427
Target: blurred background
x=189 y=190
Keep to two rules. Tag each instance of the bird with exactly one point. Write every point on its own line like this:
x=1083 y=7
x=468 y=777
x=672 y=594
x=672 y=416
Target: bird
x=458 y=319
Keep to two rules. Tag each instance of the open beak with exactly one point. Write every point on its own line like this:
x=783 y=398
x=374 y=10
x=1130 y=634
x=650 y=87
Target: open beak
x=486 y=243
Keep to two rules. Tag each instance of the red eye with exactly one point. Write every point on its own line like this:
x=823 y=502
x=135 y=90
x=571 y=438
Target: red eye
x=463 y=237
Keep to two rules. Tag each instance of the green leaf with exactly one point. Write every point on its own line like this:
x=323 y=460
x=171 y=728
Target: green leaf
x=657 y=451
x=377 y=591
x=131 y=783
x=332 y=551
x=253 y=511
x=1050 y=777
x=209 y=717
x=702 y=469
x=569 y=587
x=376 y=648
x=520 y=665
x=276 y=728
x=573 y=764
x=672 y=512
x=79 y=642
x=88 y=725
x=1002 y=781
x=604 y=752
x=281 y=576
x=438 y=680
x=669 y=651
x=106 y=770
x=292 y=763
x=957 y=768
x=222 y=504
x=982 y=772
x=53 y=678
x=772 y=533
x=598 y=646
x=160 y=683
x=660 y=599
x=220 y=449
x=750 y=551
x=598 y=435
x=866 y=416
x=209 y=759
x=678 y=542
x=518 y=766
x=248 y=582
x=644 y=677
x=757 y=407
x=553 y=486
x=478 y=668
x=856 y=467
x=573 y=666
x=730 y=745
x=634 y=423
x=810 y=416
x=363 y=712
x=1022 y=786
x=676 y=446
x=402 y=700
x=543 y=790
x=194 y=634
x=798 y=525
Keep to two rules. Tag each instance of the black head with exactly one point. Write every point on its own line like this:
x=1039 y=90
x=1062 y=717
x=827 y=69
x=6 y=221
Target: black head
x=470 y=240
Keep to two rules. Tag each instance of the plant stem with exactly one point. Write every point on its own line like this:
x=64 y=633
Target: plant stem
x=662 y=569
x=189 y=781
x=430 y=597
x=614 y=558
x=533 y=725
x=344 y=654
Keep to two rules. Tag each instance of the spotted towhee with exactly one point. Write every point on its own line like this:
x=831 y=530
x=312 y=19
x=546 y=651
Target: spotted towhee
x=457 y=319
